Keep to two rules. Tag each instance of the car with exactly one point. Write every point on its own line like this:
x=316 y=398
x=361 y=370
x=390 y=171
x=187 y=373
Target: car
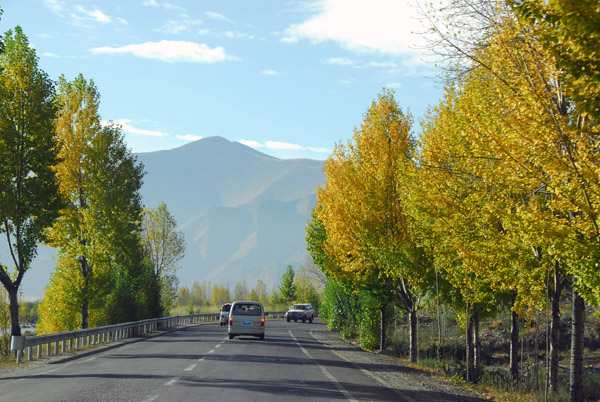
x=302 y=312
x=247 y=318
x=224 y=315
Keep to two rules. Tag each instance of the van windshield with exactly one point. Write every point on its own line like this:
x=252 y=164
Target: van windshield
x=247 y=309
x=226 y=307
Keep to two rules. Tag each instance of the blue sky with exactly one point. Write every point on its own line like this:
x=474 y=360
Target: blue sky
x=289 y=78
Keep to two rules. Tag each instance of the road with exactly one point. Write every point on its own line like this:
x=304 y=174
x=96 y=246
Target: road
x=199 y=363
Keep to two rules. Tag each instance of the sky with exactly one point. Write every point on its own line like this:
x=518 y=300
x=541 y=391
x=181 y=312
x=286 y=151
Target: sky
x=289 y=78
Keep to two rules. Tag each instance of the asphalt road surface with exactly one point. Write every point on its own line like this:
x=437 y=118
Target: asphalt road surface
x=199 y=363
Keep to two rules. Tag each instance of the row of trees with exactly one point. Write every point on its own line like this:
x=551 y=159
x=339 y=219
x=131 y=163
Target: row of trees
x=499 y=199
x=71 y=182
x=301 y=286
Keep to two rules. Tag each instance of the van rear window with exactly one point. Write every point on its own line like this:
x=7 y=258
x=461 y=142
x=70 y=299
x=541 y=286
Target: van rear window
x=247 y=309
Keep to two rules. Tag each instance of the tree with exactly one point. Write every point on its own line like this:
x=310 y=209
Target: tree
x=240 y=292
x=363 y=212
x=306 y=291
x=165 y=246
x=100 y=180
x=569 y=30
x=287 y=286
x=220 y=295
x=29 y=201
x=543 y=80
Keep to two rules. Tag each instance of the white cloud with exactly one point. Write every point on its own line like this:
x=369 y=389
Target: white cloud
x=383 y=64
x=237 y=35
x=284 y=146
x=178 y=26
x=150 y=3
x=56 y=6
x=217 y=16
x=383 y=26
x=251 y=144
x=189 y=137
x=392 y=85
x=340 y=61
x=269 y=72
x=94 y=14
x=169 y=51
x=320 y=150
x=126 y=126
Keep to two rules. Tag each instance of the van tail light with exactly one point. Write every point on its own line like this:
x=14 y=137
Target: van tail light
x=230 y=320
x=262 y=322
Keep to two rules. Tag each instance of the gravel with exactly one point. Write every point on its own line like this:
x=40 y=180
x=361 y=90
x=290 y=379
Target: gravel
x=408 y=383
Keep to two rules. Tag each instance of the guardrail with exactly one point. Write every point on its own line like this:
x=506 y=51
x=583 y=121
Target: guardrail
x=72 y=340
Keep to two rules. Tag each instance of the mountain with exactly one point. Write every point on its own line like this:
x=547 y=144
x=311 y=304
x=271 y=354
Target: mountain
x=243 y=213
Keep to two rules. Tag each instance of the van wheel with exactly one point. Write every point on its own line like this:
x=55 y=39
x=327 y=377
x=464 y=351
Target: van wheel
x=304 y=319
x=262 y=337
x=288 y=319
x=230 y=336
x=310 y=319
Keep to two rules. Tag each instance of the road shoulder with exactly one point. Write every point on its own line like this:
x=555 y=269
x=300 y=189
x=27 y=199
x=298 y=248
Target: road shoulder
x=391 y=373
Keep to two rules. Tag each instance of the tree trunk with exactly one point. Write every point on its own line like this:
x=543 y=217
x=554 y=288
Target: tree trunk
x=413 y=334
x=469 y=348
x=555 y=329
x=84 y=313
x=577 y=333
x=439 y=320
x=13 y=296
x=85 y=272
x=476 y=341
x=514 y=346
x=383 y=340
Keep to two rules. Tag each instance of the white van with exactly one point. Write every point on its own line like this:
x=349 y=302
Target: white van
x=246 y=318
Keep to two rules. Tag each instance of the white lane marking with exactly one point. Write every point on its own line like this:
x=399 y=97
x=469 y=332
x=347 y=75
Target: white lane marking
x=373 y=376
x=331 y=378
x=172 y=381
x=90 y=359
x=150 y=398
x=47 y=372
x=211 y=351
x=218 y=346
x=200 y=359
x=190 y=368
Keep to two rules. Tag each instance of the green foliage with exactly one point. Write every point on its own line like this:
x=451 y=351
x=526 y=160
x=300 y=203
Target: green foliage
x=28 y=150
x=338 y=308
x=29 y=311
x=369 y=321
x=287 y=286
x=165 y=246
x=99 y=227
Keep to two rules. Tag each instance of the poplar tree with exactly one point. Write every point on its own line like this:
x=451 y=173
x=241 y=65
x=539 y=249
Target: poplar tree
x=287 y=286
x=164 y=245
x=363 y=212
x=29 y=200
x=100 y=180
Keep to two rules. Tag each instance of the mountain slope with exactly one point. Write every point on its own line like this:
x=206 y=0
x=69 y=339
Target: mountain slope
x=243 y=213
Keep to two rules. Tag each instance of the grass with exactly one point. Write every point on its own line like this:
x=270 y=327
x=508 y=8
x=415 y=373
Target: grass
x=493 y=378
